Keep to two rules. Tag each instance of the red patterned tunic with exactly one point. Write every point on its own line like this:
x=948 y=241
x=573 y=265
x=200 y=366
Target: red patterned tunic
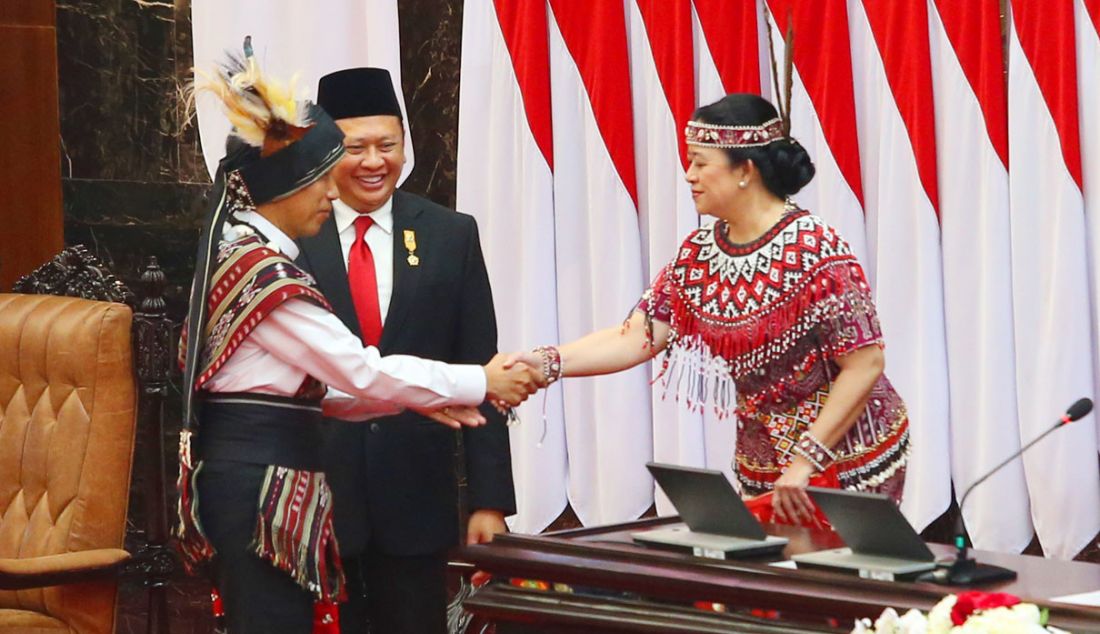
x=767 y=320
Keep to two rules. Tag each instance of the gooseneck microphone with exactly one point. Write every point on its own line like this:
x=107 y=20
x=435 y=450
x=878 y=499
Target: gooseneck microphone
x=966 y=571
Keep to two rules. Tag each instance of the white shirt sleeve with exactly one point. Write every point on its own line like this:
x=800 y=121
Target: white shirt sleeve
x=337 y=404
x=304 y=335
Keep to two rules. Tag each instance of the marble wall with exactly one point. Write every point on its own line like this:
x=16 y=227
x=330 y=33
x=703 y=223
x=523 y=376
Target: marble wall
x=134 y=182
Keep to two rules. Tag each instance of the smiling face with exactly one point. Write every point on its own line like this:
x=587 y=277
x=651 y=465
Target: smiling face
x=301 y=214
x=714 y=182
x=367 y=175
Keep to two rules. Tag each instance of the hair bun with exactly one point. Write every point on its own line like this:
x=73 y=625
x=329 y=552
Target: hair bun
x=791 y=166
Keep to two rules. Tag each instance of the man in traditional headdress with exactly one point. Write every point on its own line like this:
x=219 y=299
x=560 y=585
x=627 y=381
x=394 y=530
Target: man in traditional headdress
x=407 y=275
x=260 y=345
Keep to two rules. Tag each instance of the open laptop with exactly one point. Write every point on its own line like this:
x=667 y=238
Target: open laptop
x=881 y=542
x=717 y=524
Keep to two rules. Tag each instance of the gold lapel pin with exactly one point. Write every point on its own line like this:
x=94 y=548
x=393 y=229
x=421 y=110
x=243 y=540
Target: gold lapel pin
x=410 y=245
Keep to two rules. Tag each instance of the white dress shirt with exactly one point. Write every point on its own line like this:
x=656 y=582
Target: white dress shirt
x=379 y=238
x=300 y=338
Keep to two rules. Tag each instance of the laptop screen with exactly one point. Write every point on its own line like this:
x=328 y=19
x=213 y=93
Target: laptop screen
x=706 y=501
x=871 y=524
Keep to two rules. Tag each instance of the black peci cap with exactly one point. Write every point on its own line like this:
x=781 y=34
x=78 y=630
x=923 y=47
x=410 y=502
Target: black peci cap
x=358 y=92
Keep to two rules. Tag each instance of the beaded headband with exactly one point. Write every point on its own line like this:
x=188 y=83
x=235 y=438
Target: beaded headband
x=729 y=136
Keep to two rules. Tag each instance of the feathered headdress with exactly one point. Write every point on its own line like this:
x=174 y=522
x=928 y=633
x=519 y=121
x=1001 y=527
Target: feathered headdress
x=264 y=112
x=783 y=97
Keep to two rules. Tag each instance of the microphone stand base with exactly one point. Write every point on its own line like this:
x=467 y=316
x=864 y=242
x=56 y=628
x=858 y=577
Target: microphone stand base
x=967 y=572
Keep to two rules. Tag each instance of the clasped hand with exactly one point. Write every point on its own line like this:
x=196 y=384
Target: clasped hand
x=507 y=384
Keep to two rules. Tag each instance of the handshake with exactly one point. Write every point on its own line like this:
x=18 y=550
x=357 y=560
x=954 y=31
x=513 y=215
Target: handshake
x=509 y=380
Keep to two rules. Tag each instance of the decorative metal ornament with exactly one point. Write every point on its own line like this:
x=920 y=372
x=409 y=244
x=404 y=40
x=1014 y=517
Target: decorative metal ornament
x=410 y=245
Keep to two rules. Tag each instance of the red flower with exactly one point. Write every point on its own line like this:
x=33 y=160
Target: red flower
x=966 y=603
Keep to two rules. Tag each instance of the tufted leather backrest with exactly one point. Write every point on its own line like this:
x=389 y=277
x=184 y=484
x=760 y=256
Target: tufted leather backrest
x=67 y=401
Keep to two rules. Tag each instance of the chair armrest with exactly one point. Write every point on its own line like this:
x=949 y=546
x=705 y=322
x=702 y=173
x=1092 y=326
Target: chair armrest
x=65 y=568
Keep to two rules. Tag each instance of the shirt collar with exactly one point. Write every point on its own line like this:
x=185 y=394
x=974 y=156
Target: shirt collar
x=279 y=240
x=345 y=216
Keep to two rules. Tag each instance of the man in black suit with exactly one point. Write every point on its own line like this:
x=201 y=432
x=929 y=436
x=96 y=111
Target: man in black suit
x=410 y=280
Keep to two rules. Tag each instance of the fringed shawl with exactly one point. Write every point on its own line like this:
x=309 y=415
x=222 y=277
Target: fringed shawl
x=736 y=310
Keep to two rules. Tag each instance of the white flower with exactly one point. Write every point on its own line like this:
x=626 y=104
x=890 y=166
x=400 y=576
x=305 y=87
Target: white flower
x=887 y=623
x=1022 y=618
x=913 y=622
x=939 y=617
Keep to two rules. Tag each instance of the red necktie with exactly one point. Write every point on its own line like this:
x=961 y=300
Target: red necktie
x=364 y=285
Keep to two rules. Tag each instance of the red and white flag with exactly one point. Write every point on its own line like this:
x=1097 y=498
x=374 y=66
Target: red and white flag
x=505 y=179
x=663 y=90
x=1087 y=16
x=823 y=115
x=291 y=38
x=1054 y=334
x=893 y=97
x=599 y=254
x=972 y=153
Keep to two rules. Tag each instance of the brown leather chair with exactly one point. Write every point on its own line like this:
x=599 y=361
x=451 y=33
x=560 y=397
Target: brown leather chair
x=67 y=412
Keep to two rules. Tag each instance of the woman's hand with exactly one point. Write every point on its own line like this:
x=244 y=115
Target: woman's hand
x=790 y=501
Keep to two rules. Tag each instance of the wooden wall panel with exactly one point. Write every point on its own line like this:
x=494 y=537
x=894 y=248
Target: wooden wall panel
x=31 y=217
x=28 y=13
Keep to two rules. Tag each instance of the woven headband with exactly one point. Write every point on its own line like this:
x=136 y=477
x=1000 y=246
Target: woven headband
x=730 y=136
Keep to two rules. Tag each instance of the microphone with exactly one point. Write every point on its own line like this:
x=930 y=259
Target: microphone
x=966 y=571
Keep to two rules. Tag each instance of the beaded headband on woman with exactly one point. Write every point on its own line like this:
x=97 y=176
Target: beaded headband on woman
x=729 y=136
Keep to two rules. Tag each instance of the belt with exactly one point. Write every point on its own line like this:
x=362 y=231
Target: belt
x=260 y=429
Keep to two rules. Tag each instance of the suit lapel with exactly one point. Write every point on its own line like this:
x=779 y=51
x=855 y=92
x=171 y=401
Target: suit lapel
x=406 y=277
x=326 y=262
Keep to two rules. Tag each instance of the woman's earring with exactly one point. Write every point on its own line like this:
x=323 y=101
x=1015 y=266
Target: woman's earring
x=743 y=184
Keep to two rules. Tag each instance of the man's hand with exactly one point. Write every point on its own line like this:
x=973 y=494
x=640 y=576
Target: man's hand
x=483 y=525
x=511 y=385
x=454 y=416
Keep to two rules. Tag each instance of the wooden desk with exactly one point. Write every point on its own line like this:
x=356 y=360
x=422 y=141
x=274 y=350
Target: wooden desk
x=655 y=588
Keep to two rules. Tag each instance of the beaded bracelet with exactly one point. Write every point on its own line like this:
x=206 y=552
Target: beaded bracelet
x=813 y=450
x=551 y=363
x=798 y=450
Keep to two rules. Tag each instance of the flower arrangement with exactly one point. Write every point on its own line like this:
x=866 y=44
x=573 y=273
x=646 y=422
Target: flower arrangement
x=964 y=613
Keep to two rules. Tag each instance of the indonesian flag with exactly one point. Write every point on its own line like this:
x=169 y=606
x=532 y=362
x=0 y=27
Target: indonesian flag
x=663 y=90
x=972 y=153
x=505 y=179
x=599 y=254
x=1087 y=16
x=896 y=124
x=823 y=116
x=1054 y=334
x=291 y=38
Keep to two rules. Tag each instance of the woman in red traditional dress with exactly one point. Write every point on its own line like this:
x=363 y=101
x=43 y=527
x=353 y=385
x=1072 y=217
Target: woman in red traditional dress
x=770 y=304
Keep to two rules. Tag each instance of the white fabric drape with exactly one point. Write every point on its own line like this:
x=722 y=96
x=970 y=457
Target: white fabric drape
x=502 y=167
x=977 y=278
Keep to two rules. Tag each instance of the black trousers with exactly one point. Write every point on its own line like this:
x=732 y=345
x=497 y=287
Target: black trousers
x=258 y=598
x=395 y=594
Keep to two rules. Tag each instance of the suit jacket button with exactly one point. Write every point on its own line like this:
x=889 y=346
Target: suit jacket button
x=375 y=428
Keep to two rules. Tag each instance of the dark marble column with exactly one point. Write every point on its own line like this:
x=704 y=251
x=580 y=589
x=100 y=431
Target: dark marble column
x=431 y=38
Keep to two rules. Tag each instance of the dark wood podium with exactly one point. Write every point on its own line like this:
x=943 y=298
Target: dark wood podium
x=618 y=586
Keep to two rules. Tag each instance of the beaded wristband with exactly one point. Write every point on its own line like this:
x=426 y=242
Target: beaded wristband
x=551 y=363
x=812 y=449
x=798 y=450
